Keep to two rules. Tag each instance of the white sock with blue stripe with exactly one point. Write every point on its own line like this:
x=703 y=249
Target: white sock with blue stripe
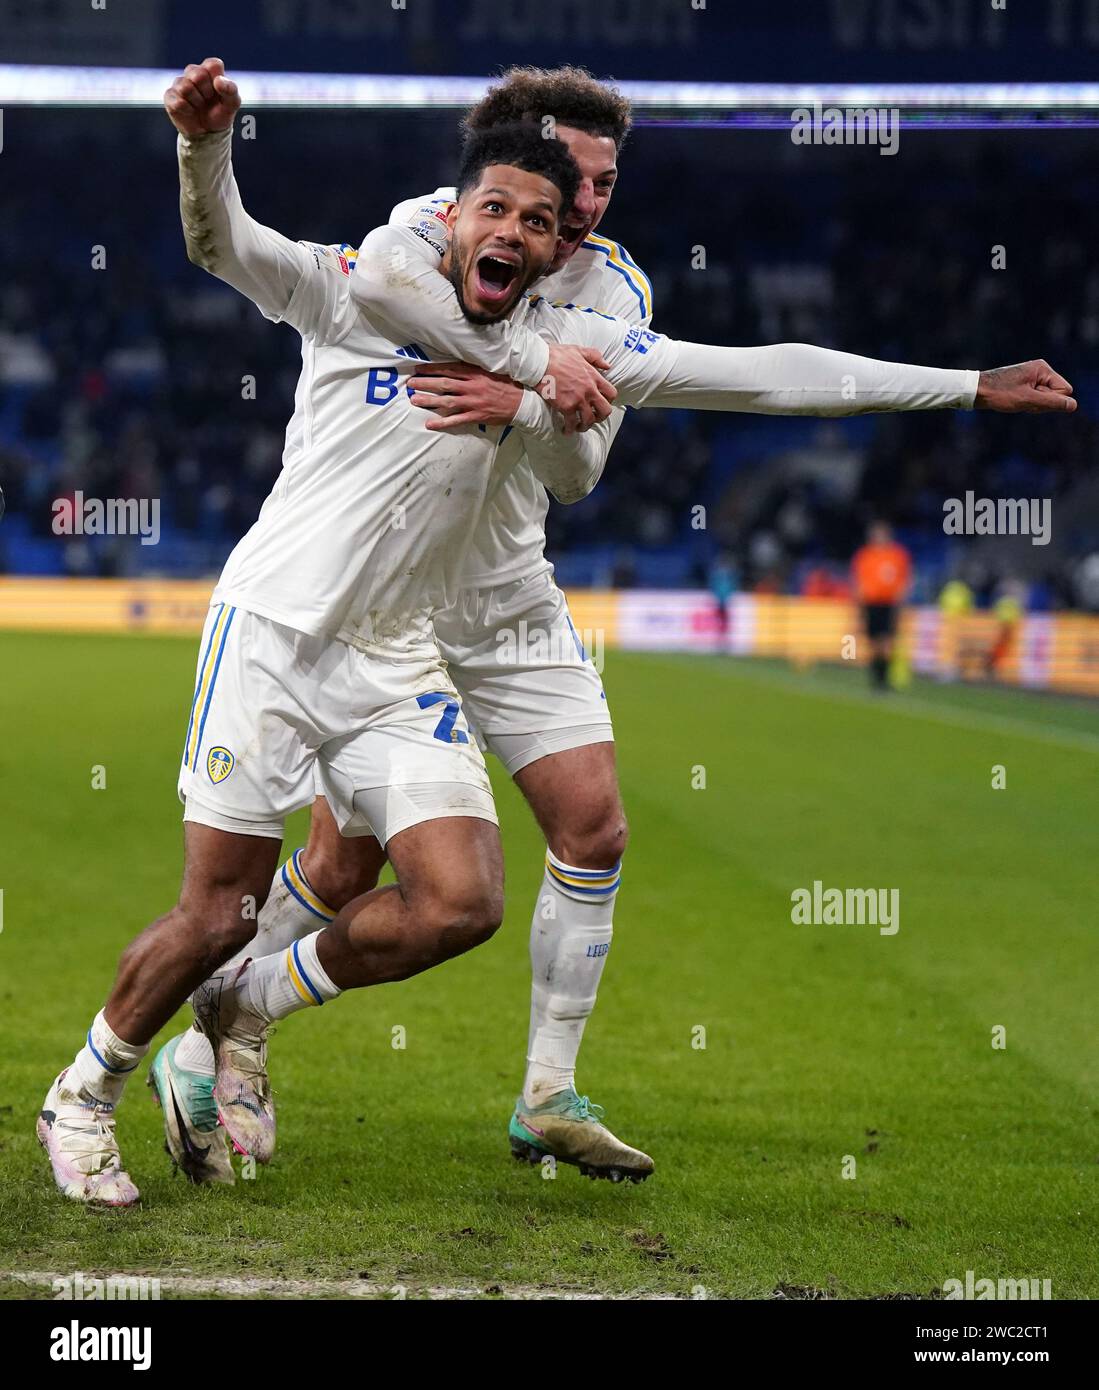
x=292 y=910
x=570 y=937
x=103 y=1064
x=279 y=985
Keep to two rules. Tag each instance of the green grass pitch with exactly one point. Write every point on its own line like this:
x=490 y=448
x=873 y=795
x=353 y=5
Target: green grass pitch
x=820 y=1041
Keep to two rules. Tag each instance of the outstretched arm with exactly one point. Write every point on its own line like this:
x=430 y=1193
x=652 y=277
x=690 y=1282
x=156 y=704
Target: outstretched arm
x=827 y=383
x=797 y=379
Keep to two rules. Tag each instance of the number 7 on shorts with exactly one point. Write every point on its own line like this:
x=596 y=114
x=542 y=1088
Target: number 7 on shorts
x=444 y=730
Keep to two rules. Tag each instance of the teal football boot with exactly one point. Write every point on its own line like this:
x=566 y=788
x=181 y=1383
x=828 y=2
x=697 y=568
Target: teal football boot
x=570 y=1129
x=193 y=1137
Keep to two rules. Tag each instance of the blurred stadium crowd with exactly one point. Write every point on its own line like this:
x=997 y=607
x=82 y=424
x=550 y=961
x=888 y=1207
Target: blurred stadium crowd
x=128 y=381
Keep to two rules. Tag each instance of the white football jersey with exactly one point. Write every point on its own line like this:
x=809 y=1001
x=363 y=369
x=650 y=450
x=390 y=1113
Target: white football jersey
x=362 y=534
x=366 y=533
x=509 y=542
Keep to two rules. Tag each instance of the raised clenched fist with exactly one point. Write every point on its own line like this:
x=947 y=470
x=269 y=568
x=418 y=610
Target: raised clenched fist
x=202 y=99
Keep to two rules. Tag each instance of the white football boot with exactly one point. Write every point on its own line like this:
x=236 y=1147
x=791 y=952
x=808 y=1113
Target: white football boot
x=79 y=1138
x=239 y=1039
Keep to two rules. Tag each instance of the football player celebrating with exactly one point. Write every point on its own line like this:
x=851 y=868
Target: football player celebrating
x=542 y=712
x=318 y=651
x=540 y=706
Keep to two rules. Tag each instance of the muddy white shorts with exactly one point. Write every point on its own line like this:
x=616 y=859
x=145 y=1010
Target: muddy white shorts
x=275 y=708
x=528 y=679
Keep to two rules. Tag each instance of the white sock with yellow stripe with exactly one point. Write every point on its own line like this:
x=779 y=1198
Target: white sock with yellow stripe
x=292 y=910
x=570 y=936
x=280 y=984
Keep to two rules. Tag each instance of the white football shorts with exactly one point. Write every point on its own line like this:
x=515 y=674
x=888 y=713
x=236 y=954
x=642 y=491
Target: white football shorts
x=528 y=685
x=277 y=712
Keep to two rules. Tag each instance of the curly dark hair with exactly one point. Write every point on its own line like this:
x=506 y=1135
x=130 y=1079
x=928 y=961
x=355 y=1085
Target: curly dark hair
x=571 y=95
x=523 y=146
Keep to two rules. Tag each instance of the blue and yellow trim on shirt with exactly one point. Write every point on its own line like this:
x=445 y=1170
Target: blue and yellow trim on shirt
x=349 y=253
x=620 y=260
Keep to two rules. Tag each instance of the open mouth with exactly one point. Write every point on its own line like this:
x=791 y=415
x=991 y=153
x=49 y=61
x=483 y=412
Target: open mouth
x=571 y=235
x=494 y=276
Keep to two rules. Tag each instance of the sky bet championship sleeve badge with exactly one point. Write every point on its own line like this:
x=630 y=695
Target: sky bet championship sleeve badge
x=219 y=763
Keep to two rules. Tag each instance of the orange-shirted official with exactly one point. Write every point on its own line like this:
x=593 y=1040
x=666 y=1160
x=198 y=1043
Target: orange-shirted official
x=881 y=573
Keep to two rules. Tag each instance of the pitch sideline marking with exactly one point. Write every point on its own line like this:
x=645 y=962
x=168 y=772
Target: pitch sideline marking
x=328 y=1288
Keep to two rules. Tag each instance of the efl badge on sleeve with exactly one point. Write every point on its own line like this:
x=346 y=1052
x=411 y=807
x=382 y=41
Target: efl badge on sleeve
x=219 y=763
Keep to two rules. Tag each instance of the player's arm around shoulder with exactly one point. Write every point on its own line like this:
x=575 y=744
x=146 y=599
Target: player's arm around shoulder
x=567 y=460
x=398 y=284
x=610 y=316
x=412 y=243
x=633 y=359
